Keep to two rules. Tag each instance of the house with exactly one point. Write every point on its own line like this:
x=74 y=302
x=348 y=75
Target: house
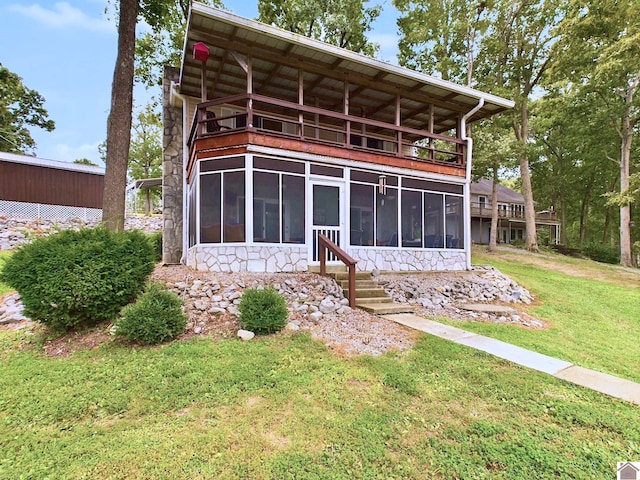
x=511 y=223
x=32 y=187
x=628 y=470
x=272 y=138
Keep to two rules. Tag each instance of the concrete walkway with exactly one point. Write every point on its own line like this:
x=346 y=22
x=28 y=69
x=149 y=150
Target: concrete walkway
x=600 y=382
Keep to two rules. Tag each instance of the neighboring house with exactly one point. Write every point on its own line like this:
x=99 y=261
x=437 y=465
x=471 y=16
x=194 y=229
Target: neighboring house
x=291 y=137
x=511 y=223
x=32 y=187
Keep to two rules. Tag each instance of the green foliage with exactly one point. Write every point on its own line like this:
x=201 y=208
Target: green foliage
x=343 y=23
x=263 y=311
x=20 y=107
x=163 y=43
x=601 y=252
x=155 y=317
x=156 y=243
x=79 y=278
x=3 y=258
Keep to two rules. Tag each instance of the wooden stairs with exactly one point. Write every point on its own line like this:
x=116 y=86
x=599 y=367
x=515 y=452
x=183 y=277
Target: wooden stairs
x=370 y=297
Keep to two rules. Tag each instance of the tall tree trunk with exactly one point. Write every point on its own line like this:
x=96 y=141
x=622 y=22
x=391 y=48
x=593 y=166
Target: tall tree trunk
x=626 y=134
x=561 y=215
x=493 y=232
x=584 y=212
x=521 y=128
x=119 y=122
x=147 y=202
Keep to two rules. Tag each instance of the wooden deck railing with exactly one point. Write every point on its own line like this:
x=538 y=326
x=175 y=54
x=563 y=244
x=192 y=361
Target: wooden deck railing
x=326 y=244
x=281 y=118
x=484 y=210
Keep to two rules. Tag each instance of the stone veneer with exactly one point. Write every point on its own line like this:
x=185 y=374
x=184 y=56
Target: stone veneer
x=172 y=176
x=407 y=260
x=255 y=258
x=245 y=258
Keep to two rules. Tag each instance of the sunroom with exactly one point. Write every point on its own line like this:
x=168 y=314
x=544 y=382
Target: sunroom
x=280 y=138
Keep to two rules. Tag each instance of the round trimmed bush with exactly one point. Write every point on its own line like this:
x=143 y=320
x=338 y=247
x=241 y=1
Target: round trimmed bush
x=262 y=311
x=156 y=317
x=79 y=278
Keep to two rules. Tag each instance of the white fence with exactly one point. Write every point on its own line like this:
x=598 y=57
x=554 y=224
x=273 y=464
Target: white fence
x=50 y=212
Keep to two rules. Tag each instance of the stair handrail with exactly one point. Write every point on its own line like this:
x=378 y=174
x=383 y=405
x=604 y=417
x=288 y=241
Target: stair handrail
x=326 y=244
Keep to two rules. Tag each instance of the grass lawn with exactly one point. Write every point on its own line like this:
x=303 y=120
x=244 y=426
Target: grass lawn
x=286 y=407
x=593 y=311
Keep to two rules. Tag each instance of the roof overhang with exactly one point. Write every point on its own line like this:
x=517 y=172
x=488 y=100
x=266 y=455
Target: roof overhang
x=278 y=55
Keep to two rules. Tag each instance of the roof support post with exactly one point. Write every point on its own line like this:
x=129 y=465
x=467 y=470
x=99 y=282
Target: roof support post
x=249 y=71
x=346 y=112
x=398 y=123
x=301 y=101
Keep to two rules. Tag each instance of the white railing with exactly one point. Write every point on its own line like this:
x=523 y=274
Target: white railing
x=333 y=234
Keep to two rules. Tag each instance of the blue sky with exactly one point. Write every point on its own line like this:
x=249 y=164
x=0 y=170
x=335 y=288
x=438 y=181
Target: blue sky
x=66 y=51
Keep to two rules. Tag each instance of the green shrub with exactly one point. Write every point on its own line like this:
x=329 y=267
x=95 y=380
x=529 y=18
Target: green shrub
x=79 y=278
x=156 y=317
x=263 y=311
x=601 y=252
x=156 y=243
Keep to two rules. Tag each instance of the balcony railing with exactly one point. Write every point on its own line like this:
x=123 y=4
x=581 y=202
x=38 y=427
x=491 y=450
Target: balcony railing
x=484 y=210
x=280 y=118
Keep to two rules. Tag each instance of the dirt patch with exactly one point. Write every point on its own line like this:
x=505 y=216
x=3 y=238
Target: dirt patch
x=75 y=342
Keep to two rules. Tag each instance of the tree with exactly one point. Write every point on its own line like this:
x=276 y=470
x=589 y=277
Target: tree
x=600 y=52
x=517 y=54
x=119 y=121
x=343 y=23
x=85 y=161
x=145 y=154
x=154 y=12
x=442 y=38
x=20 y=107
x=164 y=43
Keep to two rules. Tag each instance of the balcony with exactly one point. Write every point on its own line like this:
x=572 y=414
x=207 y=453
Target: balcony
x=271 y=122
x=483 y=210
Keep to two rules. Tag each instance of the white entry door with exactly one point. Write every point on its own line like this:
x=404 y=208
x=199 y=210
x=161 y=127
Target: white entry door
x=327 y=217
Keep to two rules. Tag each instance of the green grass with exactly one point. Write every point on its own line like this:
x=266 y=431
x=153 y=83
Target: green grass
x=285 y=407
x=4 y=255
x=594 y=319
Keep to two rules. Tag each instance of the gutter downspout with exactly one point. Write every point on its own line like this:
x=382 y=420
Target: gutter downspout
x=185 y=157
x=467 y=182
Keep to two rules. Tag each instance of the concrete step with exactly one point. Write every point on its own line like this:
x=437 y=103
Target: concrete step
x=330 y=269
x=385 y=308
x=366 y=292
x=340 y=276
x=359 y=284
x=373 y=300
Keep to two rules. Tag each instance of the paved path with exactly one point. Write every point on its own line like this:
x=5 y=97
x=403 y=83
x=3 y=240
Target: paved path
x=601 y=382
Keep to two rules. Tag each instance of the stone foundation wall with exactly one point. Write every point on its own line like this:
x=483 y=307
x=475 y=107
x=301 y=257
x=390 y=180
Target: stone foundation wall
x=255 y=258
x=172 y=173
x=408 y=260
x=243 y=258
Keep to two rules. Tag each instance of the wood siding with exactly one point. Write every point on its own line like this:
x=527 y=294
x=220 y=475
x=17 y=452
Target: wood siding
x=52 y=186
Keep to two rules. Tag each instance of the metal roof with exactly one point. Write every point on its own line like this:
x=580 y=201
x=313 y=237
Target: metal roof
x=43 y=162
x=277 y=56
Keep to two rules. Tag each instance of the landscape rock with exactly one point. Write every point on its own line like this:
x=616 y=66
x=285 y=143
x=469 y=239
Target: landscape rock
x=245 y=335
